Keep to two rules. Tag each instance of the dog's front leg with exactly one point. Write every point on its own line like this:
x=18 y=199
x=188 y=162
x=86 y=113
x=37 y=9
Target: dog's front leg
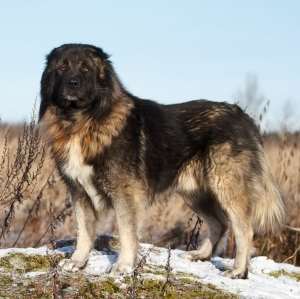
x=86 y=234
x=127 y=224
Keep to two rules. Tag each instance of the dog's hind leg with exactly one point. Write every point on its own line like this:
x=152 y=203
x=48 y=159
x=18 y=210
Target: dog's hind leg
x=86 y=234
x=229 y=176
x=243 y=234
x=235 y=200
x=221 y=245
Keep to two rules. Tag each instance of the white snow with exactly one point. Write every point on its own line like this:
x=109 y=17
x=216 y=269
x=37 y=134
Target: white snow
x=258 y=285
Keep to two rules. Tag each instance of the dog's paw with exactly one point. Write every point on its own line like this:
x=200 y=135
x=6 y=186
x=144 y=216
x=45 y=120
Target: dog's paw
x=236 y=274
x=120 y=268
x=70 y=265
x=203 y=253
x=195 y=257
x=188 y=256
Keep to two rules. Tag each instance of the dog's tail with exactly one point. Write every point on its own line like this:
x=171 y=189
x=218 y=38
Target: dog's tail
x=268 y=210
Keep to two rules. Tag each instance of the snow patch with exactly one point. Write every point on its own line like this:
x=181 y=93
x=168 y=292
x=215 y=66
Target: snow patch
x=259 y=285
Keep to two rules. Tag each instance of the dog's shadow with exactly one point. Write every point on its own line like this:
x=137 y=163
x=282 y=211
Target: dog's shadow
x=221 y=264
x=105 y=243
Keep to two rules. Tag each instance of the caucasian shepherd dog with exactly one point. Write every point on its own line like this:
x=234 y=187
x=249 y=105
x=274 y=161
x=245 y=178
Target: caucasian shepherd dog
x=115 y=150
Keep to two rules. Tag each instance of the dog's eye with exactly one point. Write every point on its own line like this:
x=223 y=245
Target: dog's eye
x=84 y=69
x=62 y=67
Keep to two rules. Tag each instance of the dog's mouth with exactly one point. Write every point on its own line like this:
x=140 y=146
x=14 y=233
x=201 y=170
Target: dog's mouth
x=71 y=98
x=72 y=102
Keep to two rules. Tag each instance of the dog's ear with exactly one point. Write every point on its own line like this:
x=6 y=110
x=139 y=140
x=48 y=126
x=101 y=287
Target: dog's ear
x=102 y=62
x=47 y=89
x=101 y=68
x=107 y=75
x=100 y=53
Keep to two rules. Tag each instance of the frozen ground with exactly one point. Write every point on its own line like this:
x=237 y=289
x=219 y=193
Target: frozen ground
x=267 y=279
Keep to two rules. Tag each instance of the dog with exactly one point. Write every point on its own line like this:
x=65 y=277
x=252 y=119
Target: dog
x=115 y=150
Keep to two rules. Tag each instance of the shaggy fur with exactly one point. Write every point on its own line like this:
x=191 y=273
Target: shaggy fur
x=116 y=150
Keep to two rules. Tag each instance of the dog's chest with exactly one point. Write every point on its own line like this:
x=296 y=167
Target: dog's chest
x=74 y=167
x=80 y=172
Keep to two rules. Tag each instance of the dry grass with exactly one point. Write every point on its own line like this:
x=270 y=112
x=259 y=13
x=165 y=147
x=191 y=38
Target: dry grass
x=36 y=206
x=283 y=152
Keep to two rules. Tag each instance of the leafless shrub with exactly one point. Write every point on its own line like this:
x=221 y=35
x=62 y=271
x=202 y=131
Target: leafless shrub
x=54 y=220
x=193 y=236
x=20 y=171
x=136 y=277
x=34 y=209
x=28 y=183
x=251 y=99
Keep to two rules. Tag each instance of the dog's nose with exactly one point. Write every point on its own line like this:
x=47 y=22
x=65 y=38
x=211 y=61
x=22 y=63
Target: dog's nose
x=74 y=83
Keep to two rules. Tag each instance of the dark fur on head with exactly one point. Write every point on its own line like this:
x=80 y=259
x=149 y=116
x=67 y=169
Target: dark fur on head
x=87 y=66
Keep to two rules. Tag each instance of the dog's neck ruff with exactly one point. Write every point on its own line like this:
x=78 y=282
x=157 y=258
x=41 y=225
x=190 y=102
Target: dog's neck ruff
x=92 y=135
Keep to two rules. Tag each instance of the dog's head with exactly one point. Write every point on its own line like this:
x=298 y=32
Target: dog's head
x=77 y=78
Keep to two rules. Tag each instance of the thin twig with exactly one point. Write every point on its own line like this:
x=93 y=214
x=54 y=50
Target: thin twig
x=194 y=234
x=294 y=229
x=59 y=218
x=33 y=208
x=168 y=275
x=135 y=278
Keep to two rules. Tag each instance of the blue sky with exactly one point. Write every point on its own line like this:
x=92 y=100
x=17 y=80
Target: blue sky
x=170 y=51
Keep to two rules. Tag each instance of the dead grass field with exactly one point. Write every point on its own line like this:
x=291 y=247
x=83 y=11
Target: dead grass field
x=42 y=211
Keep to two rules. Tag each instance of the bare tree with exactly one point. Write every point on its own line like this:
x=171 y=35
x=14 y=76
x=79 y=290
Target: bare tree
x=252 y=100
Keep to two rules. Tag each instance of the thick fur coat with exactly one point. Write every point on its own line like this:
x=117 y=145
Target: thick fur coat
x=115 y=150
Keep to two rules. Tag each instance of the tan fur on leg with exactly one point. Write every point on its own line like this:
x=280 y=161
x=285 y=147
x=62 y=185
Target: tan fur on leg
x=221 y=245
x=230 y=185
x=127 y=225
x=86 y=230
x=243 y=233
x=203 y=253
